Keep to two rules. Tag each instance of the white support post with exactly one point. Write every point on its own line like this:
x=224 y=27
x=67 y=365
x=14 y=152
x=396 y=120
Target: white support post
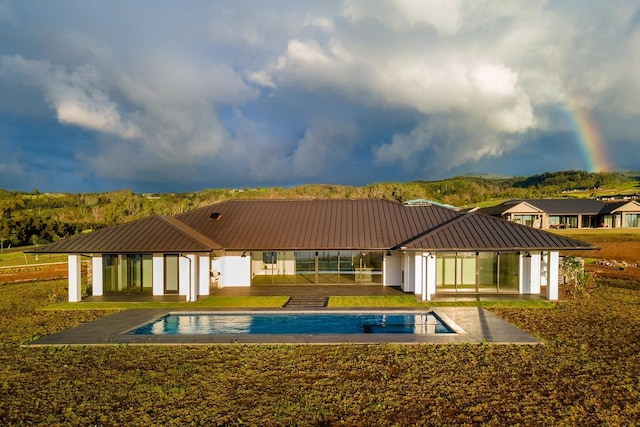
x=158 y=274
x=98 y=279
x=75 y=288
x=552 y=282
x=204 y=270
x=429 y=286
x=536 y=271
x=523 y=276
x=418 y=280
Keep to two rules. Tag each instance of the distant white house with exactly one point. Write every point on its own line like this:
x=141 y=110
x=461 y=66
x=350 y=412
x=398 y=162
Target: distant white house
x=568 y=213
x=421 y=248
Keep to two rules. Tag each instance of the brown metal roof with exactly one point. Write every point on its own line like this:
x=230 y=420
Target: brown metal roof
x=245 y=225
x=314 y=224
x=475 y=231
x=153 y=234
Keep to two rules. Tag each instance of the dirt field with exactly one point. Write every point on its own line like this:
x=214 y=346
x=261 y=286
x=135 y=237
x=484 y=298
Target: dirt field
x=30 y=273
x=618 y=251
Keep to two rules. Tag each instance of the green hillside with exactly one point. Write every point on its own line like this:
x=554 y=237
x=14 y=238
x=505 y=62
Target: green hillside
x=35 y=218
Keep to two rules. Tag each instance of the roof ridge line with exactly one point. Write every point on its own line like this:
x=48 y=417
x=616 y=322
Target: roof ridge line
x=194 y=234
x=433 y=230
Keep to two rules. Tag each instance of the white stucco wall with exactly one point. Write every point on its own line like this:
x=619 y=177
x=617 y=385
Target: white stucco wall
x=204 y=281
x=235 y=270
x=393 y=269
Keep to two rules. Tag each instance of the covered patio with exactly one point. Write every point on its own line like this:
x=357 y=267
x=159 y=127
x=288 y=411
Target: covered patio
x=318 y=291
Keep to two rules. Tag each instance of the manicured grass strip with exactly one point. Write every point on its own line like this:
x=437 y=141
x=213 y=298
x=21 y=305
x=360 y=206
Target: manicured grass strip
x=210 y=302
x=410 y=301
x=495 y=304
x=374 y=301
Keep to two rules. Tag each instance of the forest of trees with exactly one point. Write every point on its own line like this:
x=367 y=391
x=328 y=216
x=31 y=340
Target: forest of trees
x=35 y=218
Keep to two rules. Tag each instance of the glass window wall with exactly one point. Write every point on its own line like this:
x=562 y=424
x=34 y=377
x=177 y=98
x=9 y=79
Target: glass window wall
x=632 y=220
x=127 y=273
x=477 y=271
x=316 y=267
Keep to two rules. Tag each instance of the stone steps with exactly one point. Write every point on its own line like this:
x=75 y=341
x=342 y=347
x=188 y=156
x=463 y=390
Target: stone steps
x=306 y=301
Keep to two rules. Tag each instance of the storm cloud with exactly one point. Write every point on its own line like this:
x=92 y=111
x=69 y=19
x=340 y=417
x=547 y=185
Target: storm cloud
x=159 y=96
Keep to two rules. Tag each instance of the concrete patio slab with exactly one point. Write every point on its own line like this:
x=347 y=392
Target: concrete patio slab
x=474 y=325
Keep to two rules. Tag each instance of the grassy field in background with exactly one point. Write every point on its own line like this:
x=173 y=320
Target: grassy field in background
x=602 y=235
x=13 y=257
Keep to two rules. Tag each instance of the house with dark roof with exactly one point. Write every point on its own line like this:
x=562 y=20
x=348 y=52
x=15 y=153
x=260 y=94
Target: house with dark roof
x=421 y=248
x=567 y=213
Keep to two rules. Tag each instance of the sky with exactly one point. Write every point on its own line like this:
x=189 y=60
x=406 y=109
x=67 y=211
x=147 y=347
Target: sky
x=165 y=96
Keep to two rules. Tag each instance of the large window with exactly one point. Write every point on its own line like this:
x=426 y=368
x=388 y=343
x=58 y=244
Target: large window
x=632 y=220
x=563 y=221
x=528 y=220
x=127 y=273
x=316 y=267
x=477 y=271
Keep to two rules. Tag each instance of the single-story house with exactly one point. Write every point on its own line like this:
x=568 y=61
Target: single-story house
x=567 y=213
x=422 y=248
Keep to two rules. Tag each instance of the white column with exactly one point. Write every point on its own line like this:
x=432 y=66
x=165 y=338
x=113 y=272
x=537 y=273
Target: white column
x=536 y=271
x=98 y=279
x=523 y=274
x=193 y=278
x=75 y=288
x=418 y=273
x=552 y=282
x=158 y=274
x=204 y=270
x=429 y=286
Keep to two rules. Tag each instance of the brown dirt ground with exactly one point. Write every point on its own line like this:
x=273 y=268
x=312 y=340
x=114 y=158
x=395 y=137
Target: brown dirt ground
x=619 y=251
x=28 y=273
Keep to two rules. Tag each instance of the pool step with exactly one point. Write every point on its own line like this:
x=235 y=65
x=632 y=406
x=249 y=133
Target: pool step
x=306 y=301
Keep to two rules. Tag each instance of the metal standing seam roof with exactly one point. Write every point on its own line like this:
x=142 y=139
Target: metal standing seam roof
x=153 y=234
x=314 y=224
x=373 y=224
x=477 y=231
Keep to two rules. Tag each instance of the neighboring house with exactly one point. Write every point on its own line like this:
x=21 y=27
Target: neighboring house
x=567 y=213
x=421 y=248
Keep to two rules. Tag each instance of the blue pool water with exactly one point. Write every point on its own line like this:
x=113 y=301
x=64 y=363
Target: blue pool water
x=299 y=323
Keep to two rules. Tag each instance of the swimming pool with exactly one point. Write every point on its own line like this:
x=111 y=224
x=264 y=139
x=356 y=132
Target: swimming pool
x=180 y=323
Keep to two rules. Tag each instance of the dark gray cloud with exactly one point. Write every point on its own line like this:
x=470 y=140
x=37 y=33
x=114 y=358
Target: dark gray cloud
x=153 y=95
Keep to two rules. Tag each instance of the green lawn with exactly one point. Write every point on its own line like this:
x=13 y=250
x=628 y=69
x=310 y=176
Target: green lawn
x=18 y=257
x=599 y=235
x=209 y=302
x=585 y=373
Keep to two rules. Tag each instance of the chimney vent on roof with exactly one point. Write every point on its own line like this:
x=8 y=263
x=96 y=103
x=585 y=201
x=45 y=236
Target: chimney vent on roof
x=216 y=216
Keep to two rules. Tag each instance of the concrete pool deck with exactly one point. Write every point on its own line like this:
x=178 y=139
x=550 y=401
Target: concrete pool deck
x=476 y=325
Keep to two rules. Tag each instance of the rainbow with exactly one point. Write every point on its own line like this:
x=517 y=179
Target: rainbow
x=590 y=140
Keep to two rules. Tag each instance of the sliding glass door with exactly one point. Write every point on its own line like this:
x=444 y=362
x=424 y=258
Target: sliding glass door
x=316 y=267
x=477 y=272
x=127 y=274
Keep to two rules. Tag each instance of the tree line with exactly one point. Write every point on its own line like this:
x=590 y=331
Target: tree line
x=35 y=218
